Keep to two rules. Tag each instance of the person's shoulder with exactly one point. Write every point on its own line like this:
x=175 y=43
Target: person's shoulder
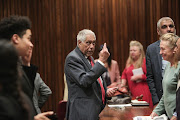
x=179 y=64
x=76 y=52
x=95 y=60
x=37 y=74
x=72 y=54
x=168 y=64
x=38 y=80
x=155 y=44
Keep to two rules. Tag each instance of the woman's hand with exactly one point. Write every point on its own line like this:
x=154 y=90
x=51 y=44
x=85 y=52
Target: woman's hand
x=136 y=77
x=153 y=114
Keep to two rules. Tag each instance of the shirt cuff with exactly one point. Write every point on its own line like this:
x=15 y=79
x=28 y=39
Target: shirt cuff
x=101 y=62
x=175 y=114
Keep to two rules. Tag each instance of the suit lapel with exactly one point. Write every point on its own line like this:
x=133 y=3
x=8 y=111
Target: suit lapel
x=86 y=61
x=83 y=58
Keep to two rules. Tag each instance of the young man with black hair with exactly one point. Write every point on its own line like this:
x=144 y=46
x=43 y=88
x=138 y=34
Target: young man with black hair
x=17 y=29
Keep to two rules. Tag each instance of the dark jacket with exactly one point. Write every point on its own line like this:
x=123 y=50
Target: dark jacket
x=28 y=88
x=154 y=71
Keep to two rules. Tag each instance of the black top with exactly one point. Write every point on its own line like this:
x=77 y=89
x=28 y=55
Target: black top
x=30 y=72
x=27 y=84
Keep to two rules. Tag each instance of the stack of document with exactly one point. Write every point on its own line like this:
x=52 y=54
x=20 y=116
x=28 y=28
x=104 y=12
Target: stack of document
x=162 y=117
x=136 y=102
x=120 y=105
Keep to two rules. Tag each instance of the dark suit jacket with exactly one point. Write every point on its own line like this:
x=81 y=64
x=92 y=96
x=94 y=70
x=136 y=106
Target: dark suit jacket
x=154 y=71
x=84 y=92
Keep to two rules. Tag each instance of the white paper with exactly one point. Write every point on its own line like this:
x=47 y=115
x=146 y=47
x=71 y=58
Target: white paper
x=162 y=117
x=120 y=105
x=136 y=102
x=138 y=71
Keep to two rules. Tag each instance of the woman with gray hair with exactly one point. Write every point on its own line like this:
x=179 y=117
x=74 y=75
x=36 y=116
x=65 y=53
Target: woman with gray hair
x=167 y=103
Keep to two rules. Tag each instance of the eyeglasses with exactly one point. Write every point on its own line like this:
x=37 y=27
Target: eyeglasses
x=165 y=26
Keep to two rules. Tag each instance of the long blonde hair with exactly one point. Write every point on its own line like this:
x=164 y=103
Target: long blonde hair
x=141 y=57
x=172 y=39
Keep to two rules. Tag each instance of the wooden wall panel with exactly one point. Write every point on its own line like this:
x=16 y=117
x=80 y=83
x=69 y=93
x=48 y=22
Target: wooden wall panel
x=55 y=24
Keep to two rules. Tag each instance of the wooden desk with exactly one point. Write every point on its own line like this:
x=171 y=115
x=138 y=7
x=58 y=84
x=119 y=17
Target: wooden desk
x=126 y=113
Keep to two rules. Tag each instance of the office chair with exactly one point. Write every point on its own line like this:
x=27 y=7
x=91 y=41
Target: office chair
x=61 y=110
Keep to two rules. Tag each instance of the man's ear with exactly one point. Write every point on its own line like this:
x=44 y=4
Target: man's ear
x=15 y=39
x=158 y=31
x=79 y=42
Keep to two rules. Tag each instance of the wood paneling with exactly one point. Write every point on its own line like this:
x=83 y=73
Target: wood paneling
x=55 y=24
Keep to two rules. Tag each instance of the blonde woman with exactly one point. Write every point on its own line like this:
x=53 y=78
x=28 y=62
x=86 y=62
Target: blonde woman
x=168 y=101
x=136 y=82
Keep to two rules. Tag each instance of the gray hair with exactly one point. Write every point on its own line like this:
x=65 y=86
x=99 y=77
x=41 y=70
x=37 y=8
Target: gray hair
x=82 y=34
x=162 y=19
